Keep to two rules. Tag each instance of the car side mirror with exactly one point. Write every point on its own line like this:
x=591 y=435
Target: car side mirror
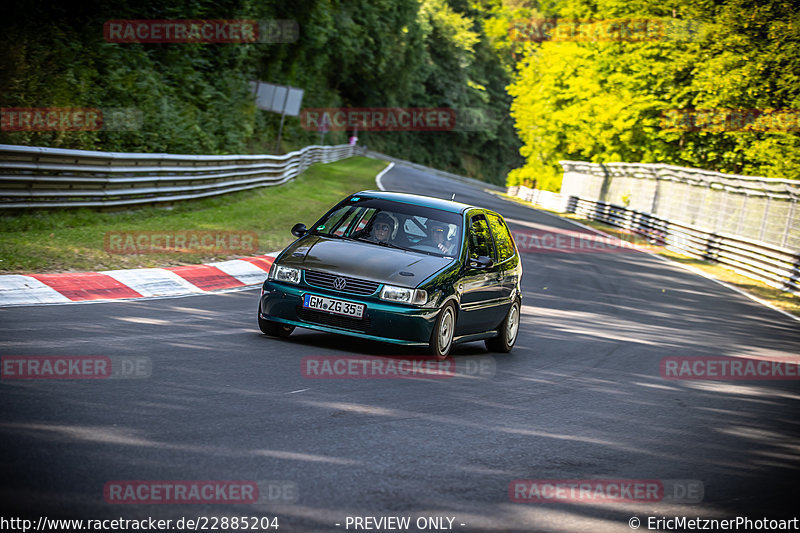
x=298 y=230
x=481 y=263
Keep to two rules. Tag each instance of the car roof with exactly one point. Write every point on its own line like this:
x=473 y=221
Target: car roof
x=416 y=199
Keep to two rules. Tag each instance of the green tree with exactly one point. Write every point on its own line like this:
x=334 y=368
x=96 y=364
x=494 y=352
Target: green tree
x=604 y=100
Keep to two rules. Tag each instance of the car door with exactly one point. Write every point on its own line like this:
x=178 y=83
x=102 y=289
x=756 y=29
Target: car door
x=507 y=257
x=480 y=288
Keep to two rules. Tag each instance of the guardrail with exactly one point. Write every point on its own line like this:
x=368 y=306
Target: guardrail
x=776 y=266
x=552 y=201
x=34 y=177
x=751 y=207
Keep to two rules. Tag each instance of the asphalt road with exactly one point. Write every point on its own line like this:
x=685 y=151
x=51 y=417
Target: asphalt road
x=581 y=397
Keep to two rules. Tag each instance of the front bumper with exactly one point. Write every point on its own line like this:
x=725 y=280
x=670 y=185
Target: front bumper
x=382 y=321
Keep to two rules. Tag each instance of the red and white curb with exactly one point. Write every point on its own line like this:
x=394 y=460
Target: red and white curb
x=112 y=285
x=136 y=283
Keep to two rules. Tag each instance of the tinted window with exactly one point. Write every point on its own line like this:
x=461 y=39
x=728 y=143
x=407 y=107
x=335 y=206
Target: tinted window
x=502 y=239
x=480 y=240
x=413 y=227
x=346 y=218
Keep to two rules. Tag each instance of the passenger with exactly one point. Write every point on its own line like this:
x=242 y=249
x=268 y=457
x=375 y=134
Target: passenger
x=438 y=237
x=383 y=227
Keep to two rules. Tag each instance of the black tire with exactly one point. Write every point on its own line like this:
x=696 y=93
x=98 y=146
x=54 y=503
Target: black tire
x=443 y=331
x=507 y=332
x=273 y=329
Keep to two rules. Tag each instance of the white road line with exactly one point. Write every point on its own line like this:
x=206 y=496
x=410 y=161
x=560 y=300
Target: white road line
x=379 y=177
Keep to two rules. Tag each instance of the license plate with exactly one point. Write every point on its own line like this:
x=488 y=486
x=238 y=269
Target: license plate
x=336 y=307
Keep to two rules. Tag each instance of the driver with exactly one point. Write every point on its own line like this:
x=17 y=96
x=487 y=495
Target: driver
x=438 y=237
x=383 y=227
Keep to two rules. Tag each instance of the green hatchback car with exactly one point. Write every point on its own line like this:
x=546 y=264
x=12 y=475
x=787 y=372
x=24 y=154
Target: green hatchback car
x=399 y=268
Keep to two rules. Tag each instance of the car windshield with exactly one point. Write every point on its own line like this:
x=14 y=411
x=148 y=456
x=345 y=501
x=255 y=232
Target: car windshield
x=395 y=225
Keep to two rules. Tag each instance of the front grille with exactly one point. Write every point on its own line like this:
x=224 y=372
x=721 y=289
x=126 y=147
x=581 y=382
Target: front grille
x=325 y=280
x=336 y=321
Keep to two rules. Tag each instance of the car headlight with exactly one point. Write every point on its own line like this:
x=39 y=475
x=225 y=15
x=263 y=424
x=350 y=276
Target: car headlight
x=404 y=295
x=287 y=274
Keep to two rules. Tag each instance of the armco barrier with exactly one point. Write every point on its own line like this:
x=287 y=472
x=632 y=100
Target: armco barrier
x=747 y=223
x=552 y=201
x=751 y=207
x=34 y=177
x=776 y=266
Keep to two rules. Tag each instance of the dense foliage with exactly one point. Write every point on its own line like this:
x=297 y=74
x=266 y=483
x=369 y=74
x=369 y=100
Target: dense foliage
x=523 y=103
x=195 y=97
x=604 y=100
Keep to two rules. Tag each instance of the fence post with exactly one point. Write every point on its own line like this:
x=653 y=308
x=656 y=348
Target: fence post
x=764 y=218
x=701 y=211
x=789 y=221
x=606 y=183
x=721 y=209
x=656 y=192
x=741 y=214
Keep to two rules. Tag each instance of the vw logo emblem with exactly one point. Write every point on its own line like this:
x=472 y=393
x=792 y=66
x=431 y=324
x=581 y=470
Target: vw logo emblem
x=339 y=284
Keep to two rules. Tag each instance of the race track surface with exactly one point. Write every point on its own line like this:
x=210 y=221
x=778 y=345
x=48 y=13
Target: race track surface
x=581 y=397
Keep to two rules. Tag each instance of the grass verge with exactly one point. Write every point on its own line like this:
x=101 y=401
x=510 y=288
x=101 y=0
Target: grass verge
x=75 y=240
x=785 y=301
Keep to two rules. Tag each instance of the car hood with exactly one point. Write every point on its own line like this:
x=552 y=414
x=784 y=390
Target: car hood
x=362 y=260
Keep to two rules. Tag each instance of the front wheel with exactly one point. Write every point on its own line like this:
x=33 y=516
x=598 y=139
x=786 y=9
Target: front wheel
x=507 y=332
x=443 y=330
x=273 y=329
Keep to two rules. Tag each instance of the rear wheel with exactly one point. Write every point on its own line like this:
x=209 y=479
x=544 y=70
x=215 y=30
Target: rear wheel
x=273 y=329
x=442 y=336
x=507 y=332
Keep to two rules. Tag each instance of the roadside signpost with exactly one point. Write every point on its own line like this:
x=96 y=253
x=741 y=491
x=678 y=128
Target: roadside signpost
x=281 y=99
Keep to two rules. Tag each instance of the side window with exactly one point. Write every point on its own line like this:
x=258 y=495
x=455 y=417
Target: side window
x=353 y=219
x=414 y=228
x=502 y=239
x=365 y=218
x=480 y=239
x=334 y=223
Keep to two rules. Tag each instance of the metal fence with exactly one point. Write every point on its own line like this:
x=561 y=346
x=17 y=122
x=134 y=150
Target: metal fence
x=761 y=209
x=33 y=177
x=778 y=267
x=750 y=224
x=546 y=199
